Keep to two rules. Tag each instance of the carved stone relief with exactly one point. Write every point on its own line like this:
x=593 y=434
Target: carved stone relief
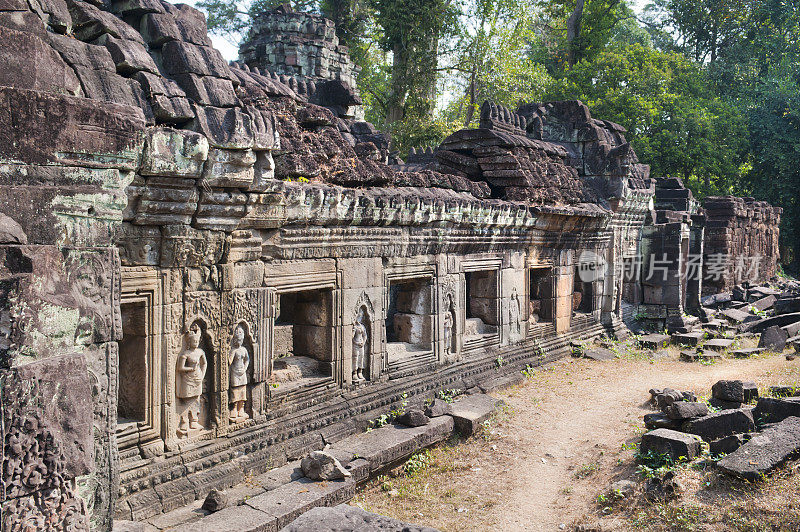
x=239 y=360
x=190 y=375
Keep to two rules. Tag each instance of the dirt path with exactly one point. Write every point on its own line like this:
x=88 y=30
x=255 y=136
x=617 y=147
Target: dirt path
x=561 y=443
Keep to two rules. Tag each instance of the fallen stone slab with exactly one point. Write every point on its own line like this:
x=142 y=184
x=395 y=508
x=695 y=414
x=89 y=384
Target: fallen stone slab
x=734 y=315
x=773 y=409
x=726 y=445
x=773 y=339
x=715 y=325
x=345 y=517
x=764 y=452
x=718 y=344
x=686 y=410
x=716 y=300
x=657 y=420
x=691 y=339
x=764 y=303
x=471 y=411
x=750 y=391
x=720 y=424
x=694 y=356
x=671 y=442
x=780 y=321
x=654 y=341
x=784 y=390
x=599 y=353
x=787 y=305
x=387 y=445
x=747 y=353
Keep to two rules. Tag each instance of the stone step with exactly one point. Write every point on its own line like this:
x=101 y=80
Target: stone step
x=654 y=341
x=270 y=501
x=718 y=344
x=690 y=339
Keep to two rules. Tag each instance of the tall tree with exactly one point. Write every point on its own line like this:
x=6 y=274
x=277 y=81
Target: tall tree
x=411 y=32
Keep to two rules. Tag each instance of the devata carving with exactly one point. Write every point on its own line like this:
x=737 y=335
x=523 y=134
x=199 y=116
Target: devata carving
x=191 y=370
x=360 y=339
x=514 y=313
x=449 y=322
x=239 y=360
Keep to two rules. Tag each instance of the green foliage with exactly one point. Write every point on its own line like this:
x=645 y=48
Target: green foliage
x=418 y=462
x=448 y=396
x=529 y=372
x=653 y=465
x=674 y=121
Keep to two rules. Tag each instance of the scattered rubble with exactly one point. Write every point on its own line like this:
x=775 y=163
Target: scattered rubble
x=754 y=439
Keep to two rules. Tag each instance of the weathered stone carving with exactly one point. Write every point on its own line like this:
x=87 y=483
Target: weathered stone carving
x=514 y=313
x=360 y=339
x=449 y=323
x=239 y=360
x=190 y=373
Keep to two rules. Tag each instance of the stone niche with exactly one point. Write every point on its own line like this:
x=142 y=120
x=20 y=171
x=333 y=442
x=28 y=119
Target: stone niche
x=583 y=292
x=303 y=336
x=409 y=319
x=482 y=310
x=133 y=385
x=139 y=363
x=541 y=295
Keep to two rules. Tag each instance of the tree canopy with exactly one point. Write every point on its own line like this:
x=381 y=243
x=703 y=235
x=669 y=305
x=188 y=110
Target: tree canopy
x=709 y=90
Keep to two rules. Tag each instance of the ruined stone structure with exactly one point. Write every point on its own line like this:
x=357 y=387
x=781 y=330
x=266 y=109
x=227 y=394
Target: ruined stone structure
x=204 y=274
x=741 y=242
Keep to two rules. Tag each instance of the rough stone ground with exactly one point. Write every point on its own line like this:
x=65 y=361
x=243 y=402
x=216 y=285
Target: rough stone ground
x=565 y=436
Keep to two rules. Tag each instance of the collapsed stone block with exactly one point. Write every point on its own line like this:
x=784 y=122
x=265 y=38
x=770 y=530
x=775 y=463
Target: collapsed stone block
x=764 y=451
x=671 y=443
x=720 y=424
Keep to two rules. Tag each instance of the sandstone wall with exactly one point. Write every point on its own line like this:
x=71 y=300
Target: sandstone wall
x=741 y=242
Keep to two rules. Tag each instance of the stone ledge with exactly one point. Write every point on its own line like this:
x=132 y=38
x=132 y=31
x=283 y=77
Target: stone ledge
x=274 y=499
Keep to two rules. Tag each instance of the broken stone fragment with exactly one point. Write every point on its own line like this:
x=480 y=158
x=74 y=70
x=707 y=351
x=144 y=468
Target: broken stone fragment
x=10 y=231
x=686 y=410
x=413 y=418
x=726 y=445
x=438 y=408
x=660 y=421
x=728 y=390
x=319 y=465
x=215 y=501
x=773 y=338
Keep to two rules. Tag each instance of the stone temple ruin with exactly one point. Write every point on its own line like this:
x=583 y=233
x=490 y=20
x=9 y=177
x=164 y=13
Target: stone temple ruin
x=209 y=269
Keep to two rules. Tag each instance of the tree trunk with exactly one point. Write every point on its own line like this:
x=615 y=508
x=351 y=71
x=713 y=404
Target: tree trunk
x=574 y=31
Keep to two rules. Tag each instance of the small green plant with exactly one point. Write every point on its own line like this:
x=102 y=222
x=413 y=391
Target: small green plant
x=448 y=396
x=587 y=470
x=273 y=385
x=759 y=313
x=418 y=462
x=402 y=410
x=655 y=465
x=499 y=361
x=529 y=371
